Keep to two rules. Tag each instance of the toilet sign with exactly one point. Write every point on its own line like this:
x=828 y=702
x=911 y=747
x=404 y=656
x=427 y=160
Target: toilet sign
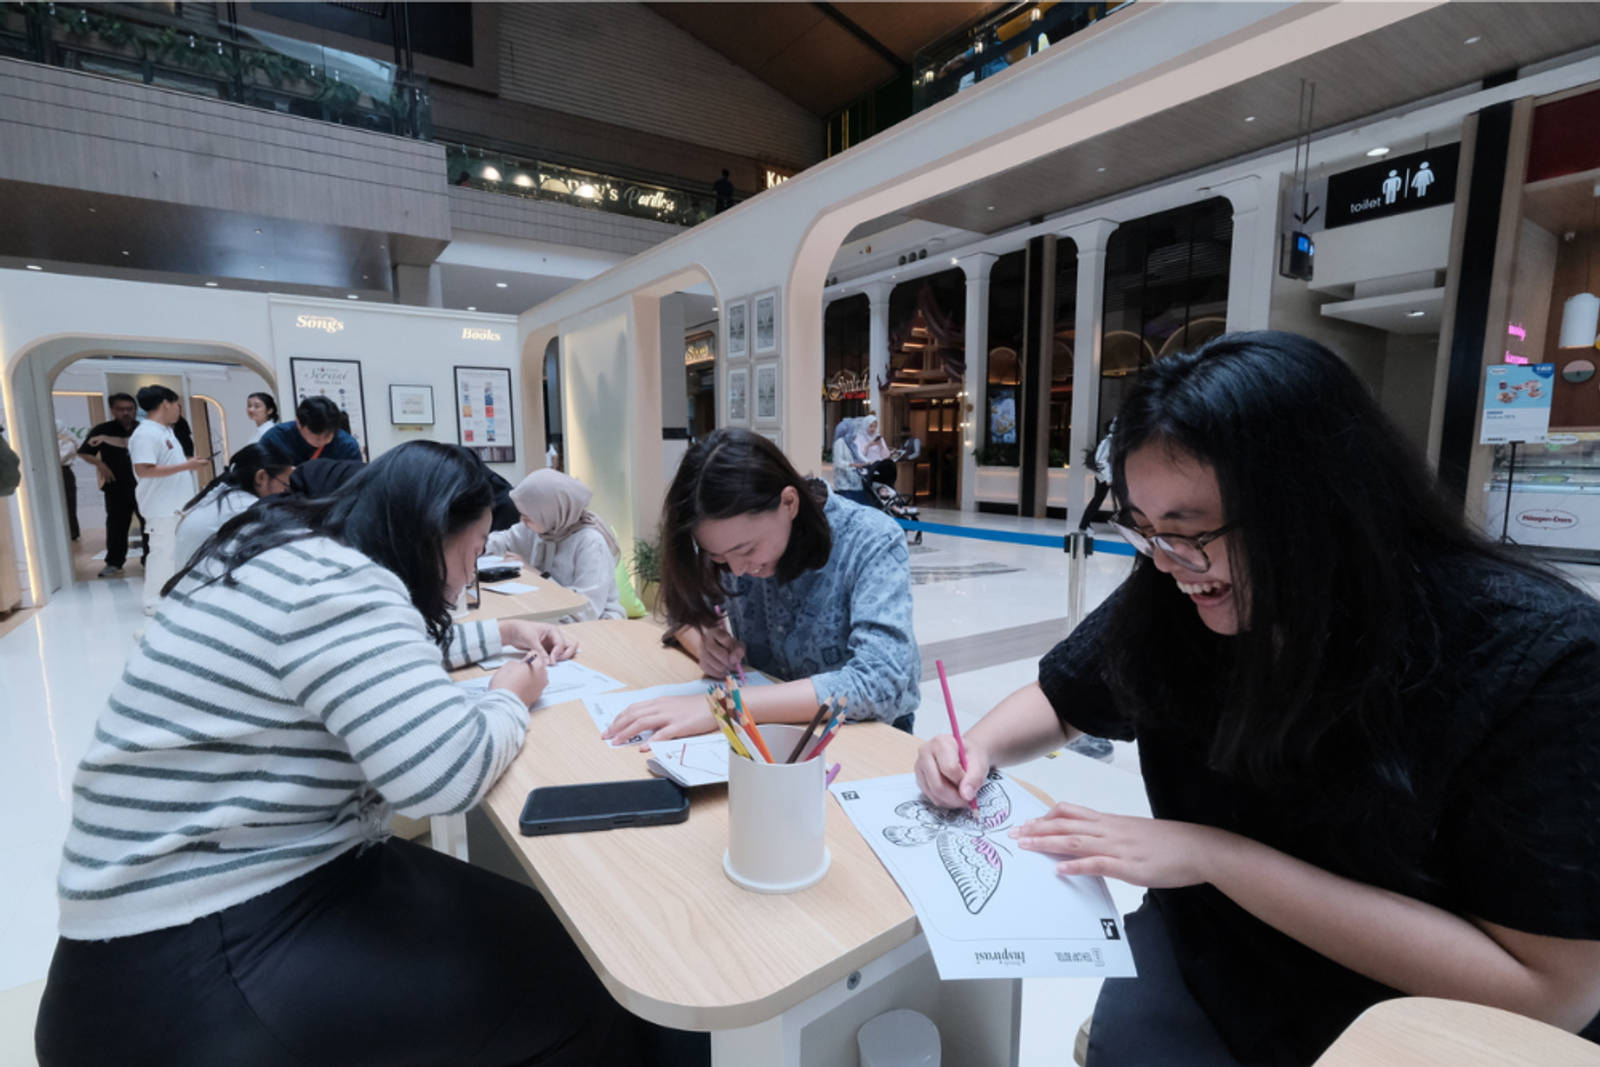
x=1393 y=186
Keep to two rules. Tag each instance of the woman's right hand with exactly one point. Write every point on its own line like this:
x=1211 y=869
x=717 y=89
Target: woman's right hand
x=939 y=773
x=525 y=678
x=720 y=654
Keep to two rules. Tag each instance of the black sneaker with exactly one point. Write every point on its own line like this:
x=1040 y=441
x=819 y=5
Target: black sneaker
x=109 y=571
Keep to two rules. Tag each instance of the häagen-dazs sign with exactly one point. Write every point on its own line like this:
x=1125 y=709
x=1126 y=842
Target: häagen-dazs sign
x=1393 y=186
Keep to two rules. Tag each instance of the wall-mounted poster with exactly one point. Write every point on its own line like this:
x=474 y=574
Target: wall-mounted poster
x=738 y=395
x=1002 y=416
x=766 y=392
x=738 y=333
x=340 y=381
x=483 y=413
x=766 y=324
x=411 y=405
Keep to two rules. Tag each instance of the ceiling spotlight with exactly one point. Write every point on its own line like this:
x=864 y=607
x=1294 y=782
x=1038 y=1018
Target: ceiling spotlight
x=34 y=266
x=211 y=285
x=471 y=308
x=124 y=251
x=1249 y=118
x=499 y=285
x=258 y=229
x=989 y=208
x=263 y=266
x=1099 y=170
x=953 y=259
x=1415 y=313
x=351 y=296
x=1381 y=150
x=714 y=308
x=93 y=210
x=489 y=174
x=1474 y=39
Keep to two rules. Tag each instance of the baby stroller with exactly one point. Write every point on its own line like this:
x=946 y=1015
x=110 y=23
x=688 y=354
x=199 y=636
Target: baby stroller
x=880 y=478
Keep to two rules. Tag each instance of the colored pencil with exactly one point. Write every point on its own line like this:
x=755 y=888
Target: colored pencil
x=833 y=772
x=752 y=729
x=955 y=727
x=727 y=624
x=727 y=726
x=816 y=721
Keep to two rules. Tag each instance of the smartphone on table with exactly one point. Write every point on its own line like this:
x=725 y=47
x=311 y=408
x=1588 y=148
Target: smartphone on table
x=560 y=809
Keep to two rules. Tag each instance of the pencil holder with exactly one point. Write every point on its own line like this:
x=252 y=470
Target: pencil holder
x=777 y=818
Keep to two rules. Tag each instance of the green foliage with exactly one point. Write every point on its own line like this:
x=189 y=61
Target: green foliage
x=646 y=560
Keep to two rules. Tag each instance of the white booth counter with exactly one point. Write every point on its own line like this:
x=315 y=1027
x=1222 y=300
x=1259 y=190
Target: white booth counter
x=1555 y=494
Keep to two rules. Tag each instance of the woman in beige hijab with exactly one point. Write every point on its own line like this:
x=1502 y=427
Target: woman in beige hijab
x=561 y=538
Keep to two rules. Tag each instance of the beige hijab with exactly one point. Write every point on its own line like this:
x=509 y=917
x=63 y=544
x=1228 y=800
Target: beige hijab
x=558 y=504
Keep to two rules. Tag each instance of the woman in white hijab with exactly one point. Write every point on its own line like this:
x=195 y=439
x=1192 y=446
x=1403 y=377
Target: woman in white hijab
x=561 y=538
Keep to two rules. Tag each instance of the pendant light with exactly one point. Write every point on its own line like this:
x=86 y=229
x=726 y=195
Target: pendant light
x=1580 y=315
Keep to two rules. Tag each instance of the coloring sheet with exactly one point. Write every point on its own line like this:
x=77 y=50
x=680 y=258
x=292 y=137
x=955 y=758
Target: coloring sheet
x=989 y=908
x=691 y=761
x=569 y=680
x=603 y=709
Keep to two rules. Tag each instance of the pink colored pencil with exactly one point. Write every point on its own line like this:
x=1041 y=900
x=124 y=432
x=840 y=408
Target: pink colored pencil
x=955 y=727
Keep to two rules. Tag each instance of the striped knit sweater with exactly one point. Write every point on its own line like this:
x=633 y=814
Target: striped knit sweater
x=262 y=729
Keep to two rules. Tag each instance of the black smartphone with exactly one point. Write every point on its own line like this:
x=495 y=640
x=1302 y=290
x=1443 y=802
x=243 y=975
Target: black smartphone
x=562 y=809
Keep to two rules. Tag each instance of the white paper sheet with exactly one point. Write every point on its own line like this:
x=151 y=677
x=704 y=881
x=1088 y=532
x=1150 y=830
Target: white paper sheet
x=510 y=588
x=691 y=761
x=989 y=909
x=604 y=709
x=493 y=561
x=569 y=680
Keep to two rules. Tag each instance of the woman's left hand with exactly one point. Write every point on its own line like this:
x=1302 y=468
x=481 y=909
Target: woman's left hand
x=1154 y=853
x=669 y=717
x=538 y=636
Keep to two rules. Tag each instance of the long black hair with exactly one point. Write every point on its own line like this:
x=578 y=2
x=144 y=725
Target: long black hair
x=240 y=473
x=397 y=512
x=726 y=473
x=1335 y=559
x=267 y=402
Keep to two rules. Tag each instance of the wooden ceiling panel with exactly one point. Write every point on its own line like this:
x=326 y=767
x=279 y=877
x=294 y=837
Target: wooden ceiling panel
x=749 y=34
x=1412 y=60
x=905 y=28
x=826 y=68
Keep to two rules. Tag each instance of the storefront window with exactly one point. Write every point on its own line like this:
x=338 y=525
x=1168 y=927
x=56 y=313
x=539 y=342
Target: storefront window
x=846 y=385
x=927 y=365
x=1063 y=344
x=1166 y=292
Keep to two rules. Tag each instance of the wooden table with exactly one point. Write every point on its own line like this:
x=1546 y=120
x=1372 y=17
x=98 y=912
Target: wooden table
x=550 y=600
x=1425 y=1032
x=679 y=944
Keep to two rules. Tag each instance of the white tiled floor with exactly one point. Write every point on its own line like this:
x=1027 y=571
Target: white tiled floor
x=59 y=665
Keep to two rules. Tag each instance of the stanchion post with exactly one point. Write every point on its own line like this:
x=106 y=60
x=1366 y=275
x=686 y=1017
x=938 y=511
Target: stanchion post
x=1079 y=546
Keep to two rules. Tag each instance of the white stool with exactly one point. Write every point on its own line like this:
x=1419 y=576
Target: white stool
x=899 y=1039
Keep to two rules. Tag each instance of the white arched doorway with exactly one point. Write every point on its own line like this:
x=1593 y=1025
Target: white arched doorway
x=30 y=379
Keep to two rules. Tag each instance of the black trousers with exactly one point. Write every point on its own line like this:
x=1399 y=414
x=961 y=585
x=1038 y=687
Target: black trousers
x=1153 y=1020
x=388 y=956
x=69 y=480
x=1100 y=491
x=121 y=509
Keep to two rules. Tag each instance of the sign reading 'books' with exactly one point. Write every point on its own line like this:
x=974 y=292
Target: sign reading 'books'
x=1393 y=186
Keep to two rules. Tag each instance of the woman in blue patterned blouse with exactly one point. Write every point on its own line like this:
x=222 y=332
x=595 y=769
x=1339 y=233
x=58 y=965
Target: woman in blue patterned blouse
x=816 y=588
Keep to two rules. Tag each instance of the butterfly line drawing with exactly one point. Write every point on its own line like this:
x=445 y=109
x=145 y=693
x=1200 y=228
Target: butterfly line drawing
x=961 y=837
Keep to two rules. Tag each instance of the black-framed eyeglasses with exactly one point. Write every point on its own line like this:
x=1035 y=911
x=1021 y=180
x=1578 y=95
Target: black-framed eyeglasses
x=1189 y=552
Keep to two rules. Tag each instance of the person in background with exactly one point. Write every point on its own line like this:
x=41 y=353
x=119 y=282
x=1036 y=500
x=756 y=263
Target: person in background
x=248 y=477
x=1367 y=733
x=847 y=464
x=817 y=591
x=263 y=411
x=315 y=434
x=106 y=447
x=874 y=451
x=185 y=435
x=1101 y=460
x=67 y=443
x=165 y=483
x=229 y=891
x=561 y=538
x=722 y=188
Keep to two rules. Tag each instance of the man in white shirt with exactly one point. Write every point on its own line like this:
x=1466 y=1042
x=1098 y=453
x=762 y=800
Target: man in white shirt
x=166 y=484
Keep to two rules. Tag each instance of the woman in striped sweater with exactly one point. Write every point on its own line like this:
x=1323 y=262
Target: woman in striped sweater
x=229 y=893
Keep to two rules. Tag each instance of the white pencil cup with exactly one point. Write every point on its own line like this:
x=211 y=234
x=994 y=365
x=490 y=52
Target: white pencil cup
x=777 y=818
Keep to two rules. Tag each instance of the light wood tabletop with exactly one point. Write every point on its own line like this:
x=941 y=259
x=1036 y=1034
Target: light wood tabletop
x=1426 y=1032
x=549 y=600
x=673 y=939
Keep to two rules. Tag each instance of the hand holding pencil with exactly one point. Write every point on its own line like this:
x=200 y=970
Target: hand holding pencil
x=948 y=771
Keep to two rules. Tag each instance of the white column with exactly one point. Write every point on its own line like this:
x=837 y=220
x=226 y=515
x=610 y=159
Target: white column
x=878 y=344
x=976 y=267
x=1089 y=240
x=1254 y=247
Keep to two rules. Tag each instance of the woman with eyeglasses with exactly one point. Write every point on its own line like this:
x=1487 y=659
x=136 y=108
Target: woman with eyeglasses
x=1370 y=738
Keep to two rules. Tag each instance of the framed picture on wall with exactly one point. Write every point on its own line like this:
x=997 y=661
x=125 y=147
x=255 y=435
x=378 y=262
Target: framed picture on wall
x=738 y=330
x=483 y=413
x=766 y=324
x=738 y=396
x=340 y=381
x=766 y=392
x=411 y=405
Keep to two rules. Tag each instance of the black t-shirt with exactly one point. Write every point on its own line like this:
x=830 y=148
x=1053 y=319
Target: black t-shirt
x=113 y=456
x=1500 y=820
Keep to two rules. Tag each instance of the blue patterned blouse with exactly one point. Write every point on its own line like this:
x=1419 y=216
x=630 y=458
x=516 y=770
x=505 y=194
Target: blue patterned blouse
x=847 y=627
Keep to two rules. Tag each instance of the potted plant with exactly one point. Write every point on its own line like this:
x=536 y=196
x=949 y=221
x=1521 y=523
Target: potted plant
x=647 y=570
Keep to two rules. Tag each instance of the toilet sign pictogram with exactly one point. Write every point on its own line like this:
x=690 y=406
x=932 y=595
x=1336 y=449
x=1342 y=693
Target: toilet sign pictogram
x=1394 y=186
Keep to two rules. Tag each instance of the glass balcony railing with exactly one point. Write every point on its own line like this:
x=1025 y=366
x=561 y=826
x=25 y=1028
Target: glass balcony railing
x=499 y=172
x=992 y=44
x=220 y=60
